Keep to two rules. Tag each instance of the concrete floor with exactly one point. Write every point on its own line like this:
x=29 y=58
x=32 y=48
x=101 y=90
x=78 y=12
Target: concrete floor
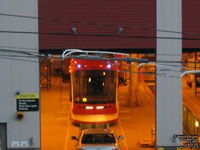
x=134 y=123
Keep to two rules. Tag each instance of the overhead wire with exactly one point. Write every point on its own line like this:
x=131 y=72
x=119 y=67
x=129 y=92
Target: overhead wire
x=95 y=35
x=19 y=59
x=98 y=35
x=21 y=48
x=10 y=57
x=97 y=24
x=37 y=54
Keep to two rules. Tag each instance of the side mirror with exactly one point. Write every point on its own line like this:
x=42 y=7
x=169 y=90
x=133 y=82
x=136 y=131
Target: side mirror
x=74 y=138
x=120 y=137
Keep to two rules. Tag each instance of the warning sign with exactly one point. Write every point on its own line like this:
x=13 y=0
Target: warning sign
x=27 y=102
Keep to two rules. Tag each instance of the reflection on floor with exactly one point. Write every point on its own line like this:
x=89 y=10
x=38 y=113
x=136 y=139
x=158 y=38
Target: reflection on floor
x=56 y=126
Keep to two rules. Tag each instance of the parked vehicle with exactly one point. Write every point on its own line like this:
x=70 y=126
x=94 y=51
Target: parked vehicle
x=98 y=139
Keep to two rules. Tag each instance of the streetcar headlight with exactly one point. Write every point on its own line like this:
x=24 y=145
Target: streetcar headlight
x=100 y=107
x=89 y=107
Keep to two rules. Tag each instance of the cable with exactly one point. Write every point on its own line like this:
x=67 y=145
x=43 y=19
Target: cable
x=98 y=24
x=18 y=51
x=147 y=73
x=37 y=55
x=98 y=35
x=19 y=59
x=25 y=48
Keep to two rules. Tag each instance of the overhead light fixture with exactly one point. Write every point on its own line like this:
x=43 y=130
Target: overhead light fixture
x=196 y=123
x=74 y=30
x=120 y=29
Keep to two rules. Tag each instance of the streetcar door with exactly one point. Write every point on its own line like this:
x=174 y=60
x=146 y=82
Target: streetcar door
x=3 y=136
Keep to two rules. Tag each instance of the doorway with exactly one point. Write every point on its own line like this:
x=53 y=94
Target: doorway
x=3 y=136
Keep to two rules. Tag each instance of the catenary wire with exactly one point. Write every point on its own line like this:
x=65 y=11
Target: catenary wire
x=19 y=59
x=21 y=48
x=94 y=23
x=147 y=73
x=50 y=56
x=97 y=35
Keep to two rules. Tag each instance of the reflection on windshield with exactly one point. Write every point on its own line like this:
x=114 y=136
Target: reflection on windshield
x=94 y=86
x=98 y=139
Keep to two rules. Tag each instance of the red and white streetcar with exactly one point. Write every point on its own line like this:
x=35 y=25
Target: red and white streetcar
x=94 y=91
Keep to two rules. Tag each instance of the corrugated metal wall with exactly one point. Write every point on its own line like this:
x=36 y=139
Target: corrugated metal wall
x=134 y=13
x=191 y=22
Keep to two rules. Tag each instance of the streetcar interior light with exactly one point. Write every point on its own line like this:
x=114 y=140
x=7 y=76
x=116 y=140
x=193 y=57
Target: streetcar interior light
x=100 y=65
x=100 y=107
x=108 y=66
x=196 y=123
x=89 y=80
x=84 y=99
x=85 y=66
x=89 y=107
x=78 y=66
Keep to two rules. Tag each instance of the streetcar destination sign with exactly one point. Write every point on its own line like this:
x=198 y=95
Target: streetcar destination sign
x=27 y=102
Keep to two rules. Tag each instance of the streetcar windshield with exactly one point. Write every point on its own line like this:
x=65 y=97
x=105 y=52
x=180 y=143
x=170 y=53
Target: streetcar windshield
x=94 y=86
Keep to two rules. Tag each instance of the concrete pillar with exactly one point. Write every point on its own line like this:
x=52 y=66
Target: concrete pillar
x=133 y=82
x=168 y=84
x=19 y=73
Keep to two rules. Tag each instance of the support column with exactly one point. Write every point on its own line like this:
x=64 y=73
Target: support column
x=168 y=83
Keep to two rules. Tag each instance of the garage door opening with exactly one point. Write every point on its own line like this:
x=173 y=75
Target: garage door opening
x=3 y=137
x=136 y=95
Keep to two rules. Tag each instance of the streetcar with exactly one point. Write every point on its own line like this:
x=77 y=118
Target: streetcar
x=94 y=91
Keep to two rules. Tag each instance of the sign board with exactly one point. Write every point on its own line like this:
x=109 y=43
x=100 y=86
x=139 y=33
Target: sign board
x=27 y=102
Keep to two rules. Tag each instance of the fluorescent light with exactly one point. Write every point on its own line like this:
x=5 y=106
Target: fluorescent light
x=196 y=123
